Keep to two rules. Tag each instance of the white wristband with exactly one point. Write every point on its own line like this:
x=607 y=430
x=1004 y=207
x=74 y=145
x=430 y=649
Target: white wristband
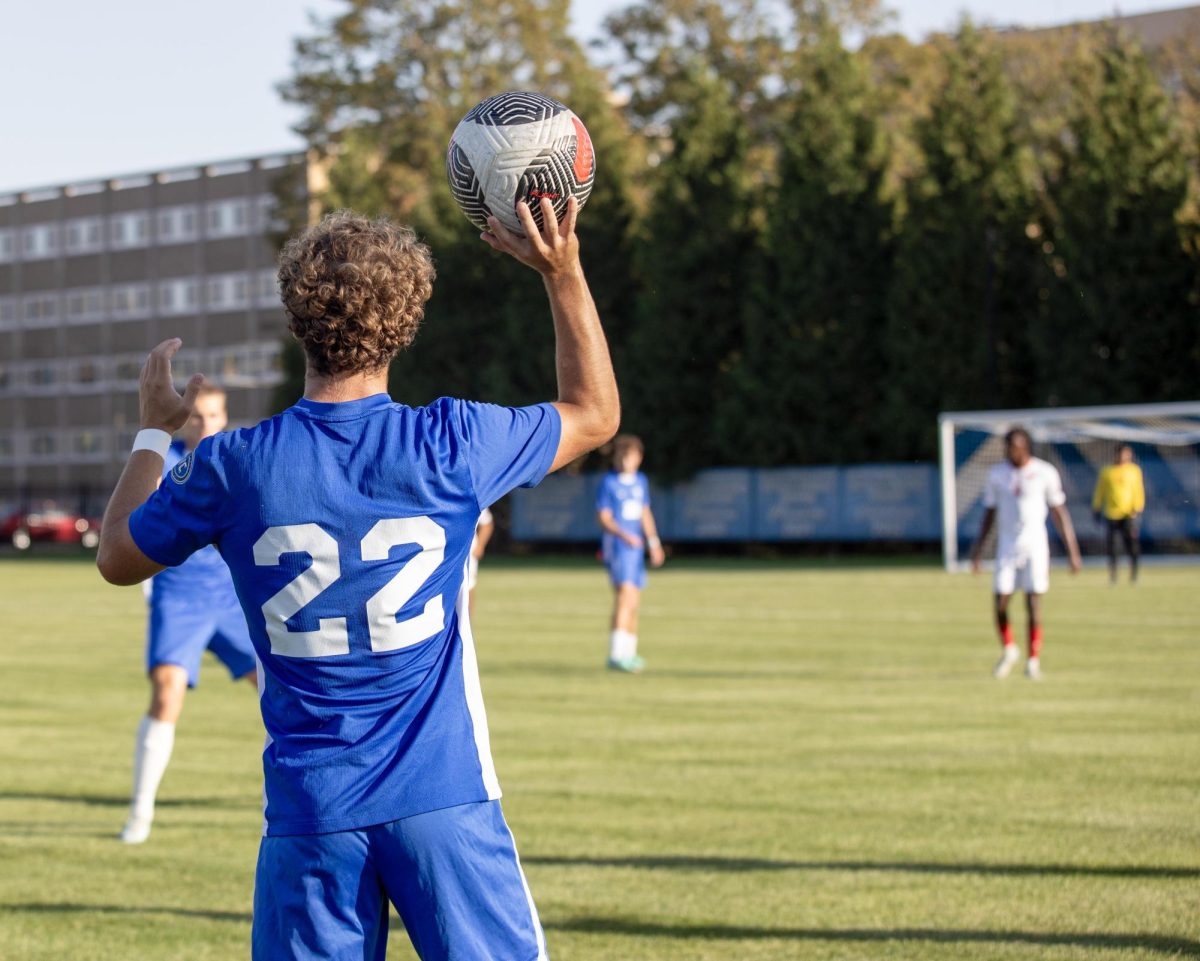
x=152 y=439
x=654 y=542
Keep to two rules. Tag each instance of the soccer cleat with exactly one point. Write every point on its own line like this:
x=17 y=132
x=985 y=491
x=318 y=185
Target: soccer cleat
x=136 y=830
x=1003 y=666
x=1033 y=669
x=629 y=665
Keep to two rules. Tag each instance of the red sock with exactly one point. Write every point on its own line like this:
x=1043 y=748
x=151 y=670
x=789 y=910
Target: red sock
x=1006 y=637
x=1035 y=640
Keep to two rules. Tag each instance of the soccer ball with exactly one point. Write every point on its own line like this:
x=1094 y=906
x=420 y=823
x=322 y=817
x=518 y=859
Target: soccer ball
x=519 y=146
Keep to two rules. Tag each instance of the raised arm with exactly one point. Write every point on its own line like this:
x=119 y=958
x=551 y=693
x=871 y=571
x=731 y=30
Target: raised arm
x=587 y=388
x=119 y=558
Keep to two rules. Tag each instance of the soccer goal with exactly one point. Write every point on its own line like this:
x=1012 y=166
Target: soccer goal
x=1079 y=441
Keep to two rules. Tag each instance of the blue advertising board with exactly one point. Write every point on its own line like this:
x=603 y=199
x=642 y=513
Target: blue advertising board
x=888 y=502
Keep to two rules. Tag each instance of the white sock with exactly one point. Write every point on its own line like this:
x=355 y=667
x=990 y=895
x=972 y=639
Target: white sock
x=622 y=645
x=151 y=753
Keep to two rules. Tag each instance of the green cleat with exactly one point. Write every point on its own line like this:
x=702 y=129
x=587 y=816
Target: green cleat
x=630 y=665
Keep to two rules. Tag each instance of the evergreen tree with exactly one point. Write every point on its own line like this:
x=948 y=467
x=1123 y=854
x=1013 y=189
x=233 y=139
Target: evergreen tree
x=963 y=295
x=382 y=85
x=700 y=240
x=1120 y=323
x=808 y=385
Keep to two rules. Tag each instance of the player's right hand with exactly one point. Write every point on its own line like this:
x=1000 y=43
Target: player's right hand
x=554 y=251
x=162 y=408
x=631 y=539
x=975 y=565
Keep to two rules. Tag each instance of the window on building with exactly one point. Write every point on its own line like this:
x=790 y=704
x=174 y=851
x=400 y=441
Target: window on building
x=176 y=225
x=228 y=218
x=131 y=301
x=93 y=304
x=83 y=235
x=88 y=442
x=39 y=240
x=8 y=311
x=129 y=370
x=182 y=369
x=6 y=447
x=85 y=304
x=41 y=309
x=130 y=230
x=43 y=375
x=86 y=373
x=42 y=444
x=8 y=246
x=268 y=289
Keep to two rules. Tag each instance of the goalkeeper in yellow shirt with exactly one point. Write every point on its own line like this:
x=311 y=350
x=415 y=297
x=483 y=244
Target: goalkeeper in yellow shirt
x=1118 y=501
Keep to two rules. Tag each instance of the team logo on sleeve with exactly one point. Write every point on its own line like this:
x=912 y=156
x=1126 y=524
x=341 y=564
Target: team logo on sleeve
x=181 y=471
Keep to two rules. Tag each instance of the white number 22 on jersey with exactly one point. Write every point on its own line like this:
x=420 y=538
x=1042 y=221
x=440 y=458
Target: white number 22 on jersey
x=331 y=637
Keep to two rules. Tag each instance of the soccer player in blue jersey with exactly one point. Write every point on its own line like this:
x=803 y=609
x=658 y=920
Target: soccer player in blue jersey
x=346 y=522
x=623 y=510
x=193 y=608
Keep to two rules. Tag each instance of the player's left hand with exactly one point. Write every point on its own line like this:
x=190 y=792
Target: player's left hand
x=657 y=556
x=1075 y=564
x=162 y=408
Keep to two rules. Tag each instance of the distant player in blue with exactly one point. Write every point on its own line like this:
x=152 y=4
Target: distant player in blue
x=347 y=522
x=623 y=510
x=193 y=608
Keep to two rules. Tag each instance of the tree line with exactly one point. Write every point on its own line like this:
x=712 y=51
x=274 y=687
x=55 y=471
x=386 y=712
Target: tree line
x=802 y=249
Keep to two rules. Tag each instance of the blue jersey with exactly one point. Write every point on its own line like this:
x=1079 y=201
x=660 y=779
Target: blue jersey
x=627 y=496
x=203 y=576
x=347 y=528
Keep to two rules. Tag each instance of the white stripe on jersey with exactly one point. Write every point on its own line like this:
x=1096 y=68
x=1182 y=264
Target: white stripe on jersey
x=474 y=695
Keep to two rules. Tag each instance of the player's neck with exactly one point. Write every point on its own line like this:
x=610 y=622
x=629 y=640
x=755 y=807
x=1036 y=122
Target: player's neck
x=334 y=389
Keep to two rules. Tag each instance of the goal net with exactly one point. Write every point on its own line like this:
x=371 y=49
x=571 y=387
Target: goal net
x=1079 y=441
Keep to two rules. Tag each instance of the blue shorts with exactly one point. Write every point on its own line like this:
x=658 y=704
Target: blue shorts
x=453 y=876
x=626 y=565
x=182 y=628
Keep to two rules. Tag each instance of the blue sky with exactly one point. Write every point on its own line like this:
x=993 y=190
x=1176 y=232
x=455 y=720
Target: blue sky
x=97 y=89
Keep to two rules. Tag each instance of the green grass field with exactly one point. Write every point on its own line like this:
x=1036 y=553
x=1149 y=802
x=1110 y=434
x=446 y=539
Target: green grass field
x=817 y=764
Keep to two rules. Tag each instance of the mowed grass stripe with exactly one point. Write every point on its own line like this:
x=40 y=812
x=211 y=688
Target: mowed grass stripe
x=815 y=765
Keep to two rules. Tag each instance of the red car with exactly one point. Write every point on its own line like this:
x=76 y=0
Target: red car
x=47 y=522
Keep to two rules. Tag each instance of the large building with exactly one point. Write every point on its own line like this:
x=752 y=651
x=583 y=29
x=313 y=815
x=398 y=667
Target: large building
x=92 y=275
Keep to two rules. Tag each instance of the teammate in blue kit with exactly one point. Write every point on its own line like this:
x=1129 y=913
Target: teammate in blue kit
x=623 y=510
x=346 y=522
x=193 y=608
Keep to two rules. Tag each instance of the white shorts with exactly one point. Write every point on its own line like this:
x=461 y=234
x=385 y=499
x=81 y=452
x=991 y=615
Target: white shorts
x=1027 y=571
x=472 y=572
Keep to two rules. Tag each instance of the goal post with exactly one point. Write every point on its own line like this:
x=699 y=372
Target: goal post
x=1079 y=441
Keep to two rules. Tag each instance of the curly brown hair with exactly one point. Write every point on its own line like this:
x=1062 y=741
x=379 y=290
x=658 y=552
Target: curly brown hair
x=355 y=291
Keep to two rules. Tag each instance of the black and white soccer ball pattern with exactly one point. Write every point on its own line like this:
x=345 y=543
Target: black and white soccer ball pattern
x=519 y=146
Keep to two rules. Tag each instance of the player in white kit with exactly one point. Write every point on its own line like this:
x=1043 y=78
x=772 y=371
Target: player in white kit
x=1018 y=496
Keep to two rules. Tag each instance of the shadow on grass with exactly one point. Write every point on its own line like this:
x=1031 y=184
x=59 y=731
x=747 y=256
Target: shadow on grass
x=695 y=863
x=122 y=801
x=70 y=907
x=1162 y=944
